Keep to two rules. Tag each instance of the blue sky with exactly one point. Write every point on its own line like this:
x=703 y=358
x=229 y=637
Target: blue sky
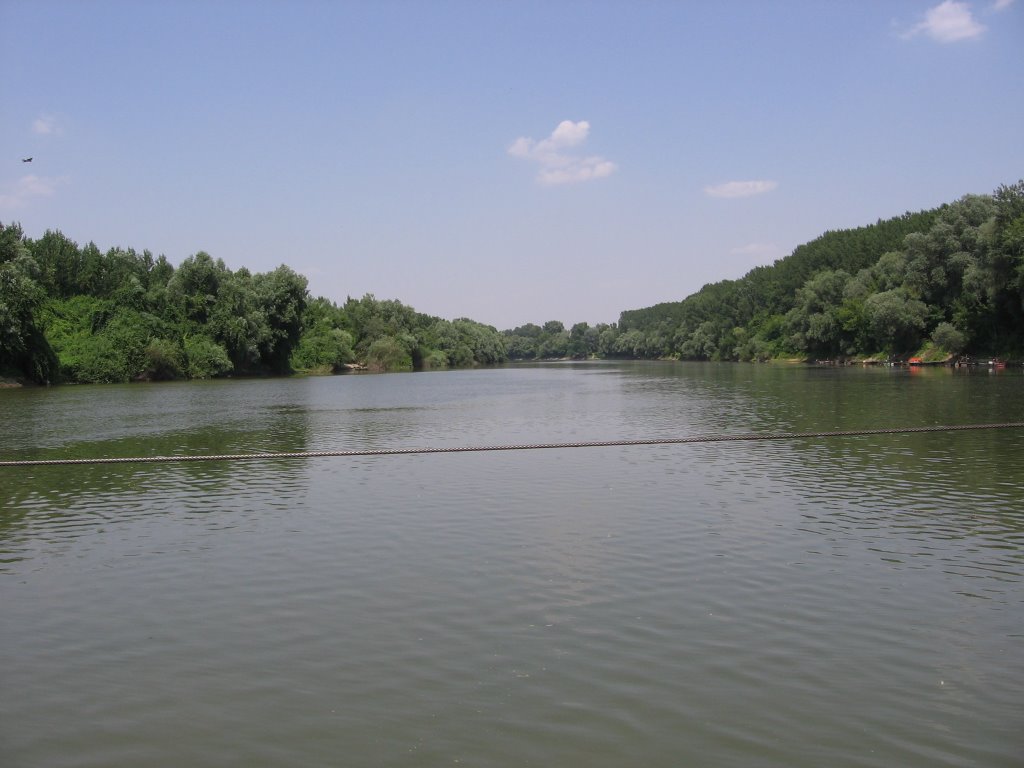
x=511 y=162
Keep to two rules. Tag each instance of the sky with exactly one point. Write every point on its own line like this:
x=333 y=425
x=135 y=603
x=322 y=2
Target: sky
x=506 y=161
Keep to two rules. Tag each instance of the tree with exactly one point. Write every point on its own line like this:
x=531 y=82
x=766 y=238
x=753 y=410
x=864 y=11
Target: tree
x=896 y=320
x=322 y=347
x=579 y=342
x=483 y=341
x=554 y=327
x=20 y=295
x=815 y=322
x=323 y=344
x=281 y=298
x=62 y=272
x=165 y=360
x=947 y=337
x=389 y=353
x=206 y=359
x=24 y=349
x=606 y=340
x=237 y=322
x=193 y=288
x=520 y=347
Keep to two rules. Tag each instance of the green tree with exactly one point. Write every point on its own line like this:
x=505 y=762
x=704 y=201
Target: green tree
x=193 y=289
x=281 y=299
x=580 y=341
x=164 y=360
x=947 y=337
x=896 y=320
x=205 y=358
x=389 y=353
x=323 y=348
x=24 y=349
x=520 y=347
x=815 y=321
x=61 y=264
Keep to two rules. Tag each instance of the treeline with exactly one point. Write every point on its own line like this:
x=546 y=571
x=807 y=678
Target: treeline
x=935 y=283
x=76 y=314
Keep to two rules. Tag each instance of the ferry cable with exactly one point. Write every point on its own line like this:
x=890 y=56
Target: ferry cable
x=722 y=438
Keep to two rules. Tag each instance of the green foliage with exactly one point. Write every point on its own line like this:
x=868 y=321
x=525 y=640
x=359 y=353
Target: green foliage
x=953 y=276
x=323 y=348
x=435 y=360
x=896 y=320
x=124 y=315
x=816 y=322
x=63 y=273
x=205 y=358
x=528 y=342
x=97 y=341
x=520 y=347
x=164 y=360
x=957 y=271
x=429 y=342
x=629 y=344
x=193 y=289
x=281 y=299
x=388 y=353
x=583 y=341
x=23 y=349
x=947 y=337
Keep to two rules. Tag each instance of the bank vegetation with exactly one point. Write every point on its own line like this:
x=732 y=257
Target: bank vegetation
x=934 y=284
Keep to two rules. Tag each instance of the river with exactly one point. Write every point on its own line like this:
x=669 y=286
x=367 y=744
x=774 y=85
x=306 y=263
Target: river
x=852 y=601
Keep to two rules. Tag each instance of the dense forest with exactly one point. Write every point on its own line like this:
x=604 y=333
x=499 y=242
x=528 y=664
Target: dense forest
x=75 y=314
x=936 y=284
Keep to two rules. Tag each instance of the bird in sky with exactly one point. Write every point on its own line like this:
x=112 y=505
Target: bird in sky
x=26 y=159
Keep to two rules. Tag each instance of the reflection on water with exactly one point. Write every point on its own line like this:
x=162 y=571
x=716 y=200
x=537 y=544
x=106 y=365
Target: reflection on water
x=814 y=602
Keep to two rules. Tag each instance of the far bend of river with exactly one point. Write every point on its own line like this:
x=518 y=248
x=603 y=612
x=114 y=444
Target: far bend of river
x=852 y=601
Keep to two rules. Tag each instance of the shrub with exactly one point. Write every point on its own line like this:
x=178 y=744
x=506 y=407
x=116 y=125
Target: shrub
x=388 y=354
x=949 y=338
x=206 y=358
x=165 y=359
x=322 y=348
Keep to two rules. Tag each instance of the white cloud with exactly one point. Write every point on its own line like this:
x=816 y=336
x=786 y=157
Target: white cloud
x=45 y=125
x=568 y=134
x=1001 y=5
x=28 y=187
x=558 y=166
x=732 y=189
x=949 y=22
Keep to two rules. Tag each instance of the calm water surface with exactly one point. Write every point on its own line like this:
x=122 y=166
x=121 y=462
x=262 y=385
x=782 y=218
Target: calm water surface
x=843 y=602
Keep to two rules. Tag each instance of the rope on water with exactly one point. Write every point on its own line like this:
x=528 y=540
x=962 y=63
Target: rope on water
x=721 y=438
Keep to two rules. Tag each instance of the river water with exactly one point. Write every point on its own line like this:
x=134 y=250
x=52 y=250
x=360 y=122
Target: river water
x=852 y=601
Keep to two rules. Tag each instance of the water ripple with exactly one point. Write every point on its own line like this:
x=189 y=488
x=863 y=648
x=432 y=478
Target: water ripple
x=852 y=602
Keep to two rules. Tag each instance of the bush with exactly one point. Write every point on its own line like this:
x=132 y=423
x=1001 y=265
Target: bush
x=165 y=360
x=949 y=338
x=206 y=358
x=434 y=360
x=97 y=341
x=388 y=354
x=322 y=348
